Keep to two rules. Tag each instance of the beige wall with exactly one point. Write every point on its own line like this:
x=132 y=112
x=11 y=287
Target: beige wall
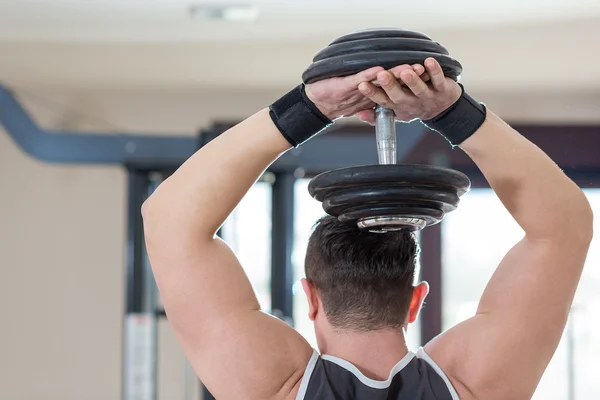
x=62 y=235
x=61 y=291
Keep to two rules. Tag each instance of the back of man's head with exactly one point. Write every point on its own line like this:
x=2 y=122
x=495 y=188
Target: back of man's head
x=364 y=279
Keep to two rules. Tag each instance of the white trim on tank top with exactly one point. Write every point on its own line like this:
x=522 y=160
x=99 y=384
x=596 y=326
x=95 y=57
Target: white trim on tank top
x=368 y=381
x=421 y=354
x=310 y=367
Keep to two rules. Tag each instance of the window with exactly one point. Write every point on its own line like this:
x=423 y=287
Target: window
x=471 y=251
x=248 y=232
x=307 y=212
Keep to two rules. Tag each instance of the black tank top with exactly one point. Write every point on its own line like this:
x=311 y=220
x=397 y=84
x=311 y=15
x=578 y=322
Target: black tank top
x=415 y=377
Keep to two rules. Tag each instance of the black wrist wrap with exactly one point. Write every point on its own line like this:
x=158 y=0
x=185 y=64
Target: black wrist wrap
x=459 y=121
x=297 y=117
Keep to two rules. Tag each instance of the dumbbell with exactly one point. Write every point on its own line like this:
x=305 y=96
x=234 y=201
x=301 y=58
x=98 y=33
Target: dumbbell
x=388 y=196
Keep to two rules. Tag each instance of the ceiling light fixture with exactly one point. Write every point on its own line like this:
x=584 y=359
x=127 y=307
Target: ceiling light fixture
x=230 y=12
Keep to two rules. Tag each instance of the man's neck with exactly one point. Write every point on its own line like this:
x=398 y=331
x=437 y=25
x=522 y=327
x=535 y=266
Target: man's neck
x=373 y=353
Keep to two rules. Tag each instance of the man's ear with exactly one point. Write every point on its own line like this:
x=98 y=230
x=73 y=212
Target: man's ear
x=419 y=294
x=311 y=295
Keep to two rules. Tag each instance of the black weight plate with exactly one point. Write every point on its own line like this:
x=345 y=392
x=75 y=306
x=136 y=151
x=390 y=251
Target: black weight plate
x=438 y=197
x=380 y=33
x=354 y=63
x=406 y=209
x=372 y=175
x=380 y=44
x=429 y=215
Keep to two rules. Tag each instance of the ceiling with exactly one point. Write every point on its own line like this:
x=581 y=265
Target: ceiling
x=525 y=45
x=171 y=20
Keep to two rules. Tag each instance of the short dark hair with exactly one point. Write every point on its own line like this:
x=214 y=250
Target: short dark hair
x=365 y=279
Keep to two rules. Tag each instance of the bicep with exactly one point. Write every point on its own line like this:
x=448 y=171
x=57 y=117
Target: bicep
x=519 y=322
x=236 y=350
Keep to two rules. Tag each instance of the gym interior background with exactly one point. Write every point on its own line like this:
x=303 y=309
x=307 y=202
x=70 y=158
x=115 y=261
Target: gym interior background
x=81 y=319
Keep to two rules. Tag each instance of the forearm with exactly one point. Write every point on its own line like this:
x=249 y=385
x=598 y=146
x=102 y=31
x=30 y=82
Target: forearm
x=541 y=198
x=195 y=201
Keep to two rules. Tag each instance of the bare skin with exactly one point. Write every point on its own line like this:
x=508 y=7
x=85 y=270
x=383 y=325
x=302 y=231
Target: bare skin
x=240 y=352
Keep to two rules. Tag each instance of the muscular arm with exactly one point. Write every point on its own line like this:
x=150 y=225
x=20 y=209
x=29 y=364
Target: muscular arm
x=502 y=352
x=237 y=351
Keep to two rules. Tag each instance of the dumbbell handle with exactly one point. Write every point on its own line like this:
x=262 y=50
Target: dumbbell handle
x=385 y=134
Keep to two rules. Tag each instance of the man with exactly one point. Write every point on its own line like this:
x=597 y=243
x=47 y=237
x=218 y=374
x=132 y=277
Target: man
x=359 y=285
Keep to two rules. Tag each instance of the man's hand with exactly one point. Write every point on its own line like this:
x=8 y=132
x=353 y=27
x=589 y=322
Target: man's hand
x=341 y=97
x=420 y=99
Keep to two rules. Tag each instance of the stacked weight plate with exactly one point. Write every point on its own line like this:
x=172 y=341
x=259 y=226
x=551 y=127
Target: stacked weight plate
x=385 y=48
x=383 y=198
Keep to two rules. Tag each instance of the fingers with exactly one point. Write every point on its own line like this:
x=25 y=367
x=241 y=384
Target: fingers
x=415 y=84
x=397 y=70
x=438 y=80
x=367 y=116
x=375 y=94
x=365 y=76
x=391 y=86
x=396 y=73
x=421 y=71
x=418 y=68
